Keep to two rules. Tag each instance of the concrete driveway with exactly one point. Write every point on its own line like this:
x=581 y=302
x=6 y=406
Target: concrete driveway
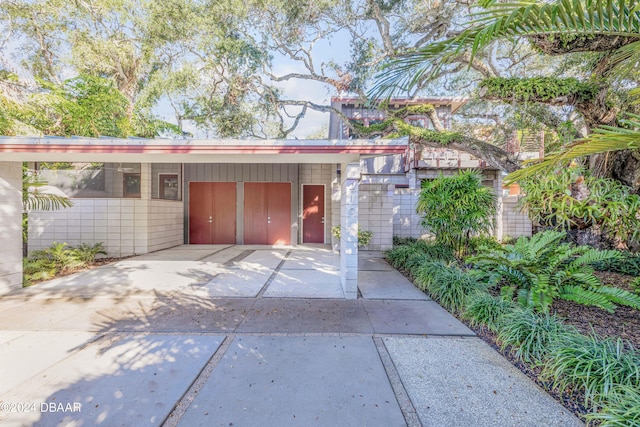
x=249 y=336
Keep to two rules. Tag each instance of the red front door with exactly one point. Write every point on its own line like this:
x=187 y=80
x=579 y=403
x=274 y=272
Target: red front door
x=313 y=214
x=212 y=212
x=267 y=213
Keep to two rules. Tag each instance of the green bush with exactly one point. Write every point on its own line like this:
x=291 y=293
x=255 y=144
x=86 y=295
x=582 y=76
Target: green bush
x=605 y=203
x=543 y=268
x=483 y=309
x=529 y=333
x=364 y=237
x=592 y=364
x=622 y=408
x=483 y=243
x=411 y=256
x=399 y=241
x=46 y=263
x=86 y=254
x=455 y=208
x=447 y=284
x=426 y=273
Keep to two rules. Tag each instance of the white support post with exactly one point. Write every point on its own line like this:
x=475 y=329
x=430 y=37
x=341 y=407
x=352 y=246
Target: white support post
x=498 y=232
x=10 y=226
x=350 y=180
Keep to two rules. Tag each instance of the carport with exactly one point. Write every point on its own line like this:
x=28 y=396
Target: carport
x=344 y=154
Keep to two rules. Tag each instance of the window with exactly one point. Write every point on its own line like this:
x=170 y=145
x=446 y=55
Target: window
x=131 y=185
x=168 y=186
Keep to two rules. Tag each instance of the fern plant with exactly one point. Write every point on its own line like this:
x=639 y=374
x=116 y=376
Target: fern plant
x=543 y=268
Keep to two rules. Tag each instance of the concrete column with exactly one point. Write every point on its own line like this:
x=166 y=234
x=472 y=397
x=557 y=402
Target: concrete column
x=350 y=179
x=145 y=181
x=497 y=186
x=10 y=226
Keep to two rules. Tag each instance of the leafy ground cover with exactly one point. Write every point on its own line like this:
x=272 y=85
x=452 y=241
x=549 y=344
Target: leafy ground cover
x=61 y=259
x=585 y=355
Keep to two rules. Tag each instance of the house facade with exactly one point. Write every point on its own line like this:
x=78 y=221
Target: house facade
x=138 y=196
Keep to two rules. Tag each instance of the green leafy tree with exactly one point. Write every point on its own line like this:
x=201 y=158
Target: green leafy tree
x=456 y=208
x=602 y=34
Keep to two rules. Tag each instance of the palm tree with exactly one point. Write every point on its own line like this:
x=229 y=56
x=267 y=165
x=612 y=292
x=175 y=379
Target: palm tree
x=611 y=28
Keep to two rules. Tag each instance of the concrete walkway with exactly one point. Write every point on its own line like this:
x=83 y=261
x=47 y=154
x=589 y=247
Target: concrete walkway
x=250 y=336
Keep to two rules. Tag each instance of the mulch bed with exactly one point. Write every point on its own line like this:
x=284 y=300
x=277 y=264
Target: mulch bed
x=623 y=323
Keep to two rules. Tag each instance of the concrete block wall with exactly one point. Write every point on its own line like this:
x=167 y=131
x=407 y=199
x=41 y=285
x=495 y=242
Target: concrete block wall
x=375 y=213
x=125 y=226
x=515 y=222
x=10 y=226
x=406 y=222
x=319 y=174
x=166 y=224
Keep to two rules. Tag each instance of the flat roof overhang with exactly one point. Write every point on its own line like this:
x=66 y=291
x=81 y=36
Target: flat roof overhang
x=74 y=149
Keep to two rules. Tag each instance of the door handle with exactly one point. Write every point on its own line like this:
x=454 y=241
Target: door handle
x=210 y=219
x=268 y=220
x=322 y=220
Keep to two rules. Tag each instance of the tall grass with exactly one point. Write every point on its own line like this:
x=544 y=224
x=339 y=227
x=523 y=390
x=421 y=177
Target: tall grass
x=483 y=309
x=593 y=364
x=622 y=408
x=447 y=284
x=530 y=334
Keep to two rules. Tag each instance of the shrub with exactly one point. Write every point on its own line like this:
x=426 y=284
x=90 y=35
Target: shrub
x=483 y=243
x=457 y=207
x=398 y=241
x=448 y=284
x=364 y=237
x=592 y=364
x=571 y=198
x=46 y=263
x=483 y=309
x=426 y=273
x=622 y=408
x=411 y=256
x=529 y=333
x=543 y=268
x=86 y=254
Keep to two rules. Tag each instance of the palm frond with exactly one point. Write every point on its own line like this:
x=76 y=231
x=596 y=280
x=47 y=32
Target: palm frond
x=46 y=202
x=584 y=296
x=602 y=140
x=566 y=19
x=619 y=296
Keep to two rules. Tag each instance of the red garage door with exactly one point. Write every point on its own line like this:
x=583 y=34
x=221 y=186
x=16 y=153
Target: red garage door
x=267 y=213
x=212 y=212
